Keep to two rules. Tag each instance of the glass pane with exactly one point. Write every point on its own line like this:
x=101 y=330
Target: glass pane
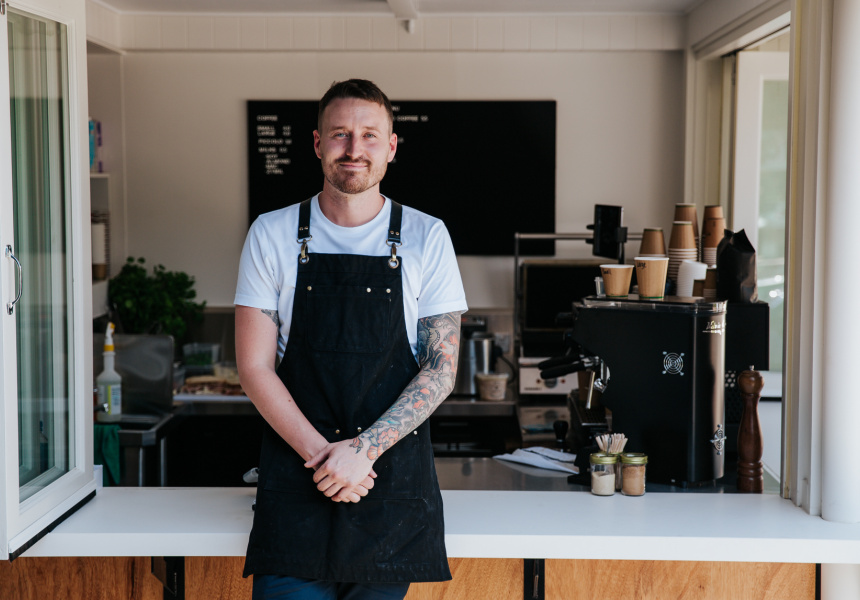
x=771 y=219
x=38 y=75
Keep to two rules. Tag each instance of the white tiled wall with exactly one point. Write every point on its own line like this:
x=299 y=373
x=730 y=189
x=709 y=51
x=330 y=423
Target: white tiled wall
x=103 y=25
x=430 y=34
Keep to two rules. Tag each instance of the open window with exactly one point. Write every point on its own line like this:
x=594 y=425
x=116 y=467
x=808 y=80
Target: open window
x=45 y=337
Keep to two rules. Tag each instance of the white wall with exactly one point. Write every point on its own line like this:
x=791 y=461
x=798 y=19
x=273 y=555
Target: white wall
x=620 y=141
x=105 y=105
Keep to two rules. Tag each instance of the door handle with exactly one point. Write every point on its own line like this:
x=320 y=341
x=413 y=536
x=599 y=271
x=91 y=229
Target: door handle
x=10 y=306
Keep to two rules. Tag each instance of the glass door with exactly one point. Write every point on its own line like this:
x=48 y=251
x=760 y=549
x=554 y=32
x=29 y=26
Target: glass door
x=43 y=313
x=760 y=176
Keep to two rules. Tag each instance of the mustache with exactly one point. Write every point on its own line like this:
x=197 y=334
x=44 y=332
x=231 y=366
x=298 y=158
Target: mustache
x=352 y=161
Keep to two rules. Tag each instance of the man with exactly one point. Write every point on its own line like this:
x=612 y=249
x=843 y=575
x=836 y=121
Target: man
x=360 y=298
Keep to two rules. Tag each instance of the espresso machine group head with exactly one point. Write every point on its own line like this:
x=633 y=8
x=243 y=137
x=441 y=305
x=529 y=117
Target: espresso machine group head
x=666 y=390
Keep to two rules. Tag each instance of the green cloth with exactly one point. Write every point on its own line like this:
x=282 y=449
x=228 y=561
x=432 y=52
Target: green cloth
x=106 y=451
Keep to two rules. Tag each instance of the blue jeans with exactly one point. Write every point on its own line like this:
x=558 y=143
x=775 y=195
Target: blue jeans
x=277 y=587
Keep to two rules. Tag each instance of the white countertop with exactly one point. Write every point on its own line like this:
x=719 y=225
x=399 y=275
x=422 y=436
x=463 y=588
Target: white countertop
x=482 y=524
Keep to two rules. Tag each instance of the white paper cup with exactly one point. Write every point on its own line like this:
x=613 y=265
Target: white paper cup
x=688 y=271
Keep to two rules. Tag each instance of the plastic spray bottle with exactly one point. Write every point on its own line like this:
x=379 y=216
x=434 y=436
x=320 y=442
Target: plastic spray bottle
x=109 y=382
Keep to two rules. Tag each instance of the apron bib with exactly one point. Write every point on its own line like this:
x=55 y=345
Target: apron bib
x=346 y=362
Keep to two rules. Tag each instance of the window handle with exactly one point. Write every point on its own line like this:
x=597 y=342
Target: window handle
x=10 y=306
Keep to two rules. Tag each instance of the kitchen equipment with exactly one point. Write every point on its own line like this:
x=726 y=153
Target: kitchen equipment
x=531 y=381
x=537 y=417
x=548 y=287
x=476 y=354
x=665 y=380
x=145 y=363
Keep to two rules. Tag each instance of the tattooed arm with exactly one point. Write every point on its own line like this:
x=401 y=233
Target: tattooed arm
x=256 y=354
x=438 y=349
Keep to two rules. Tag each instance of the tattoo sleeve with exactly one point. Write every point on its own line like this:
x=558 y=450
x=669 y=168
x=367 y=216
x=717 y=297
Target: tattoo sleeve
x=272 y=314
x=438 y=349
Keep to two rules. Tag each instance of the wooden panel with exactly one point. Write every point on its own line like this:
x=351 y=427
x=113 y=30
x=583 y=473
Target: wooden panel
x=218 y=578
x=87 y=578
x=646 y=580
x=474 y=579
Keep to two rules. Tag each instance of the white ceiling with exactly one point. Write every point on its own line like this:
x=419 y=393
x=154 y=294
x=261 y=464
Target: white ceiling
x=401 y=8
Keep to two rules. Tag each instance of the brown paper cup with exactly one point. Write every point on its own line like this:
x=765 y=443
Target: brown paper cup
x=682 y=236
x=711 y=278
x=687 y=212
x=698 y=287
x=651 y=276
x=713 y=211
x=713 y=232
x=653 y=242
x=616 y=280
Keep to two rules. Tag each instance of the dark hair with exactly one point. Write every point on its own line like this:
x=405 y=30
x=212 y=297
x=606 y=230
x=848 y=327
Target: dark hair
x=362 y=89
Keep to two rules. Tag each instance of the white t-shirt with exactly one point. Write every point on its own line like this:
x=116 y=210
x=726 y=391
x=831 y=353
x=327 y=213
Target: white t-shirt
x=269 y=263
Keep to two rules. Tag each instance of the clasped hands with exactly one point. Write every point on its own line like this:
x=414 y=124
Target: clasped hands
x=342 y=473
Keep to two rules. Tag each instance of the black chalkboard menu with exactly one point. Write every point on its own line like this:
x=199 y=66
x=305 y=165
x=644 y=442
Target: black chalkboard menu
x=486 y=168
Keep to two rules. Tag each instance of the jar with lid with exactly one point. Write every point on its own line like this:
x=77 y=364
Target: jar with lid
x=633 y=473
x=603 y=473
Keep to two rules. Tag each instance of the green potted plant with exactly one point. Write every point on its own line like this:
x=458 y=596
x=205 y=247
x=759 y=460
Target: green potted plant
x=152 y=303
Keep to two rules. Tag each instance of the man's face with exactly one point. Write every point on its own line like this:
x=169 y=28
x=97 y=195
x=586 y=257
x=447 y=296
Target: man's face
x=355 y=144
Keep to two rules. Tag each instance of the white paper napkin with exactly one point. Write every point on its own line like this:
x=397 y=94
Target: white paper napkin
x=542 y=458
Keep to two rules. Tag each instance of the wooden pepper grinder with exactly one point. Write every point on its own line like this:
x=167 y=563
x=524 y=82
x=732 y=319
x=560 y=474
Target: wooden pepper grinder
x=750 y=469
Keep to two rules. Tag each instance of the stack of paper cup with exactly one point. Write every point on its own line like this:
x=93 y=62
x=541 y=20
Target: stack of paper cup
x=710 y=287
x=713 y=227
x=689 y=271
x=682 y=246
x=687 y=212
x=653 y=242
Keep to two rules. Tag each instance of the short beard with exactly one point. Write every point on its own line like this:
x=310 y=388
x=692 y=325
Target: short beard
x=356 y=185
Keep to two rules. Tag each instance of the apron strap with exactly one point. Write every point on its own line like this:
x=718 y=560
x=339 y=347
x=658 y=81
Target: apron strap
x=394 y=240
x=304 y=232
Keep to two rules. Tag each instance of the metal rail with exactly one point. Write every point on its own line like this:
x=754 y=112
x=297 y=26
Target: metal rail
x=517 y=281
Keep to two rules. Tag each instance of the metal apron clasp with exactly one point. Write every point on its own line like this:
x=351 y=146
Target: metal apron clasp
x=394 y=262
x=304 y=257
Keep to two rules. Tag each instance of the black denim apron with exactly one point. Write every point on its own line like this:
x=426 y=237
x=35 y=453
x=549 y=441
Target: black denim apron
x=346 y=362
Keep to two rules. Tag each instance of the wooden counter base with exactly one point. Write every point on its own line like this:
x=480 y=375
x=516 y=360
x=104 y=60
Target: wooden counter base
x=220 y=578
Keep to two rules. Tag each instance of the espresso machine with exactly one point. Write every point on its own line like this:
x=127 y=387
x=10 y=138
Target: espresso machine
x=662 y=366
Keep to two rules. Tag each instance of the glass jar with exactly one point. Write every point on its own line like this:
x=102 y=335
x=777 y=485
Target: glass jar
x=617 y=455
x=603 y=473
x=633 y=473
